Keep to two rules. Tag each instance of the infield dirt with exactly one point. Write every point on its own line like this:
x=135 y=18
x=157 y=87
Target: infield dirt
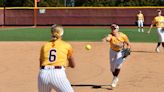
x=142 y=71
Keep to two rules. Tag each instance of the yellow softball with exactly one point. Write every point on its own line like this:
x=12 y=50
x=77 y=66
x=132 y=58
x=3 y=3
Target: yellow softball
x=88 y=47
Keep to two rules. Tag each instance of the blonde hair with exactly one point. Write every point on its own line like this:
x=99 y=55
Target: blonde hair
x=57 y=32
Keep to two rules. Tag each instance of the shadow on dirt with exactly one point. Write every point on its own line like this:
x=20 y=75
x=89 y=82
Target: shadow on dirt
x=108 y=87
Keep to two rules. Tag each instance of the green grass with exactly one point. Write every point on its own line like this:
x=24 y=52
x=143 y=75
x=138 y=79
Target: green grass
x=135 y=36
x=24 y=34
x=72 y=34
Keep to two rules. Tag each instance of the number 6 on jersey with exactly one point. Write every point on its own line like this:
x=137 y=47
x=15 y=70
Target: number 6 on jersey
x=52 y=55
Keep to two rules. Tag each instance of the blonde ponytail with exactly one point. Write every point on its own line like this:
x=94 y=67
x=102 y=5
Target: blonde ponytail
x=57 y=31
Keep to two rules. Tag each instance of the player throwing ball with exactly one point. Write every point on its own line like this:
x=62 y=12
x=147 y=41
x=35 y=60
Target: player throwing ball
x=117 y=41
x=159 y=22
x=55 y=55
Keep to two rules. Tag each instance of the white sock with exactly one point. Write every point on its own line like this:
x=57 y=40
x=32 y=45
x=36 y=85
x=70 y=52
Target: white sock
x=142 y=30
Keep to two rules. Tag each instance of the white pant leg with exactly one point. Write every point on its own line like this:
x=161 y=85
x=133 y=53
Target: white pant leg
x=140 y=23
x=160 y=34
x=43 y=81
x=119 y=60
x=53 y=78
x=116 y=60
x=60 y=82
x=112 y=59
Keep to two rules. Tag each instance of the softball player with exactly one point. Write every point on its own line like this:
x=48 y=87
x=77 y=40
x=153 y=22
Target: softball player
x=159 y=22
x=55 y=55
x=140 y=21
x=117 y=42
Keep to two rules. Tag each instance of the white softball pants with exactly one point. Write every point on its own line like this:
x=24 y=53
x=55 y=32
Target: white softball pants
x=116 y=60
x=160 y=32
x=140 y=23
x=50 y=78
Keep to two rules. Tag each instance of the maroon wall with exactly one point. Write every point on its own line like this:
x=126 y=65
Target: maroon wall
x=19 y=17
x=78 y=16
x=1 y=17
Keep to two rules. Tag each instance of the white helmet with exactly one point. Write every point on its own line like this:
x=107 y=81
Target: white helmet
x=114 y=26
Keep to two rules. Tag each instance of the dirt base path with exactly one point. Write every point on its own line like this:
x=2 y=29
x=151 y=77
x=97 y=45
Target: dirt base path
x=142 y=71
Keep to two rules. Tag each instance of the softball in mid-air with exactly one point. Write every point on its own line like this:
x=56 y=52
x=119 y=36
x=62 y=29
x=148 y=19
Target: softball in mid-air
x=88 y=47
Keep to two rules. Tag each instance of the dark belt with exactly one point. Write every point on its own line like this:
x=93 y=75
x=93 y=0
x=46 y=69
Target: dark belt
x=55 y=67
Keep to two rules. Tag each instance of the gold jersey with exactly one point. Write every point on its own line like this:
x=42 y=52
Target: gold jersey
x=55 y=53
x=159 y=21
x=117 y=43
x=140 y=16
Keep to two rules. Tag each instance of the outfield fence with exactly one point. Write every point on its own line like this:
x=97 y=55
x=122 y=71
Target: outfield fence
x=17 y=16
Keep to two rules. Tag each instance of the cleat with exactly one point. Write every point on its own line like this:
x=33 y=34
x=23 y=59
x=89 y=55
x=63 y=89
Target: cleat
x=157 y=50
x=114 y=82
